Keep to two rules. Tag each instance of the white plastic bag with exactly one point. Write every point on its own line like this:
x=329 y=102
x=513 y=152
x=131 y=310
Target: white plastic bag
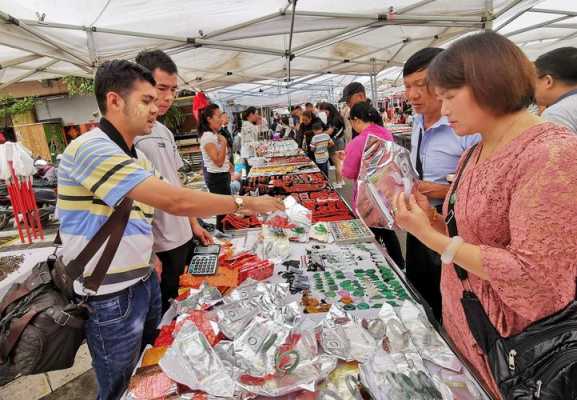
x=21 y=158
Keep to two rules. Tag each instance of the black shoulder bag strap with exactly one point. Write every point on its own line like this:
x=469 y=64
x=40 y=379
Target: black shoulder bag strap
x=451 y=219
x=112 y=229
x=479 y=323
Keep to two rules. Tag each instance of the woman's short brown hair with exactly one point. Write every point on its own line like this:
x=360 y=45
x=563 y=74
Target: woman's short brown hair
x=501 y=77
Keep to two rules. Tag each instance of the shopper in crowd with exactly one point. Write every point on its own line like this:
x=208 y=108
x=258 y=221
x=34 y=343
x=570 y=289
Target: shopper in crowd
x=435 y=152
x=306 y=131
x=295 y=120
x=310 y=107
x=320 y=144
x=353 y=93
x=173 y=235
x=514 y=202
x=228 y=136
x=97 y=171
x=336 y=129
x=364 y=119
x=556 y=86
x=248 y=135
x=215 y=154
x=261 y=121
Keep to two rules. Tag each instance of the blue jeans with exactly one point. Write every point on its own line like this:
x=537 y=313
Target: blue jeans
x=118 y=329
x=324 y=167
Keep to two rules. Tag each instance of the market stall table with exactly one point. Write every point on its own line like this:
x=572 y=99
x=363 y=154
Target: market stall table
x=329 y=313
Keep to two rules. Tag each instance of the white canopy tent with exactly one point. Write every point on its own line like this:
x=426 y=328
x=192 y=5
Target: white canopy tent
x=263 y=52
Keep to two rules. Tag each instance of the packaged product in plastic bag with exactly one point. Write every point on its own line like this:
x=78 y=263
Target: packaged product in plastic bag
x=255 y=348
x=300 y=217
x=344 y=337
x=386 y=170
x=191 y=361
x=21 y=159
x=276 y=232
x=203 y=297
x=427 y=340
x=150 y=383
x=297 y=366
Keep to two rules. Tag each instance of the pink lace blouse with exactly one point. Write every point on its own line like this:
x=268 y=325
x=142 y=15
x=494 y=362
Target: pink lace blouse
x=520 y=206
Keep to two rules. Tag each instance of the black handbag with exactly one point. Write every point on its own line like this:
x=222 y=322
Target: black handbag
x=538 y=363
x=41 y=322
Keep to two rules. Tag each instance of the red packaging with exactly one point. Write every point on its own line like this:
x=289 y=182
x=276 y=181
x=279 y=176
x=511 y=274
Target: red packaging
x=257 y=271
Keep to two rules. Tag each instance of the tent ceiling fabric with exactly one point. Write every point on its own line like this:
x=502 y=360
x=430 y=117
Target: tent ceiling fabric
x=220 y=44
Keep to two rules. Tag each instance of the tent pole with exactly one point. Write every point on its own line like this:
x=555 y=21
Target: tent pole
x=19 y=60
x=27 y=74
x=289 y=54
x=236 y=27
x=557 y=12
x=384 y=17
x=91 y=47
x=11 y=20
x=52 y=71
x=373 y=88
x=536 y=26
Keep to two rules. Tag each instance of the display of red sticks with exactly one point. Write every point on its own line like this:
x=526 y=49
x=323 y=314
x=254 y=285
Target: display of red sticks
x=24 y=208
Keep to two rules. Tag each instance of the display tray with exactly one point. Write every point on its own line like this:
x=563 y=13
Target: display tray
x=326 y=205
x=284 y=184
x=287 y=160
x=356 y=276
x=352 y=231
x=267 y=170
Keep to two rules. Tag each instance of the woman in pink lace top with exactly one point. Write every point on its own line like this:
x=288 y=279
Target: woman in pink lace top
x=516 y=207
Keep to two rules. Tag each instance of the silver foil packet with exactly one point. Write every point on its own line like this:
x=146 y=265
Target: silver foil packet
x=191 y=361
x=256 y=347
x=344 y=337
x=203 y=297
x=386 y=170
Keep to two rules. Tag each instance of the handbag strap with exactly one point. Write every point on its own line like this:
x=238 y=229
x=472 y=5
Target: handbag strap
x=112 y=229
x=478 y=321
x=451 y=219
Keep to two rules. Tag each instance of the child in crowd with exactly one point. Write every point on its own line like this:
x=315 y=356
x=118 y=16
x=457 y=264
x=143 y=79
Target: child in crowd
x=320 y=144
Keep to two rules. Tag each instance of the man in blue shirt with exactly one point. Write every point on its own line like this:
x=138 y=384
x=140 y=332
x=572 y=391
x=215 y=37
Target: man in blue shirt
x=435 y=153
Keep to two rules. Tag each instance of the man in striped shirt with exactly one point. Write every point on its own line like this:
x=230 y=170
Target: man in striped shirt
x=97 y=171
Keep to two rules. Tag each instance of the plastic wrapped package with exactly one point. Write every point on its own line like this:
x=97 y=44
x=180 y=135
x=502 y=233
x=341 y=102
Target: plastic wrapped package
x=386 y=379
x=428 y=341
x=300 y=217
x=344 y=337
x=341 y=384
x=252 y=288
x=150 y=383
x=191 y=361
x=252 y=298
x=255 y=348
x=204 y=321
x=396 y=370
x=386 y=170
x=275 y=242
x=297 y=366
x=320 y=231
x=197 y=299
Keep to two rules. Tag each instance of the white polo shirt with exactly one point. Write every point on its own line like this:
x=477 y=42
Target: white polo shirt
x=170 y=231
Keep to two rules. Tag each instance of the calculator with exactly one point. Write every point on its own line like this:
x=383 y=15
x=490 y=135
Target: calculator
x=204 y=260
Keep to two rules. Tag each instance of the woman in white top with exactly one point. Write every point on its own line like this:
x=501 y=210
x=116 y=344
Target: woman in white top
x=249 y=135
x=214 y=154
